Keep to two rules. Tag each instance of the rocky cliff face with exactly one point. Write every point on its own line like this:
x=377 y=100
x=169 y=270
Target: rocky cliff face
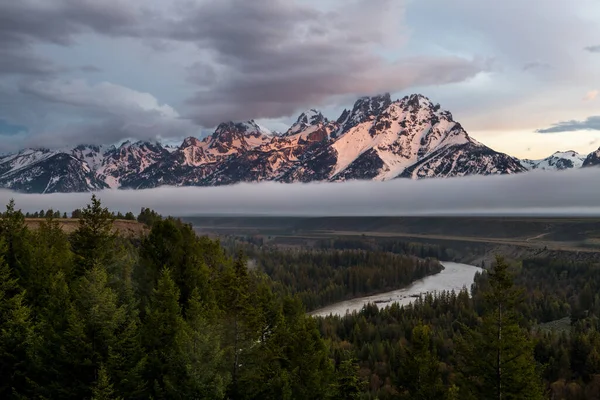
x=593 y=159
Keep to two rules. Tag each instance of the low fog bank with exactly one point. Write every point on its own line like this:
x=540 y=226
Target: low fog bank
x=568 y=193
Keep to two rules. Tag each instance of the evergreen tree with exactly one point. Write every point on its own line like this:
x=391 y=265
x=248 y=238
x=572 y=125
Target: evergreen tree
x=101 y=334
x=349 y=385
x=292 y=363
x=51 y=254
x=164 y=340
x=148 y=216
x=420 y=369
x=174 y=244
x=497 y=356
x=239 y=311
x=53 y=322
x=103 y=389
x=17 y=249
x=205 y=359
x=17 y=338
x=94 y=240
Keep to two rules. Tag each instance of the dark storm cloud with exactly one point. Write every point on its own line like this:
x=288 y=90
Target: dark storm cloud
x=593 y=49
x=23 y=61
x=105 y=113
x=57 y=21
x=589 y=124
x=572 y=192
x=25 y=23
x=257 y=59
x=111 y=129
x=268 y=58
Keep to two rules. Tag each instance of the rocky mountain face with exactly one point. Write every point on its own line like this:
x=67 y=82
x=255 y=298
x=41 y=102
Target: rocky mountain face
x=377 y=139
x=593 y=159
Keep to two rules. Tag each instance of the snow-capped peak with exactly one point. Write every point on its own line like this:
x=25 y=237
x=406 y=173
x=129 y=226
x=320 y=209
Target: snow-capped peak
x=190 y=142
x=568 y=153
x=417 y=101
x=243 y=128
x=308 y=118
x=376 y=139
x=560 y=160
x=365 y=108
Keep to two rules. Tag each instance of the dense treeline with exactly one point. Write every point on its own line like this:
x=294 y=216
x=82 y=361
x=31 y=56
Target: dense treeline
x=323 y=277
x=91 y=316
x=77 y=213
x=422 y=250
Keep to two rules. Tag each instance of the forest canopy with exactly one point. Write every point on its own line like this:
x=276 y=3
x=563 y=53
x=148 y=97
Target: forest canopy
x=93 y=314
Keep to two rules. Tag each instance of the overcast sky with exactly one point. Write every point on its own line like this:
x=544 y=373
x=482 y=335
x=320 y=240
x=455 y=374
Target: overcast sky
x=520 y=75
x=573 y=192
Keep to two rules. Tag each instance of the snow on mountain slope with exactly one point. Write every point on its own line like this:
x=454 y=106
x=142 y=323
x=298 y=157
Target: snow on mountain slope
x=399 y=136
x=470 y=158
x=307 y=119
x=377 y=139
x=92 y=155
x=195 y=160
x=59 y=172
x=124 y=164
x=557 y=161
x=12 y=164
x=380 y=139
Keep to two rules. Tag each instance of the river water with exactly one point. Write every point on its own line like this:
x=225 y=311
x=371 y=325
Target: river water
x=454 y=276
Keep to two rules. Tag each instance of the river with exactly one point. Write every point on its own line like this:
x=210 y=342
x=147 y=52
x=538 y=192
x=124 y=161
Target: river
x=454 y=276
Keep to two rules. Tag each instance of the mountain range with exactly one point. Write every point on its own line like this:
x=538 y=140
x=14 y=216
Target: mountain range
x=378 y=139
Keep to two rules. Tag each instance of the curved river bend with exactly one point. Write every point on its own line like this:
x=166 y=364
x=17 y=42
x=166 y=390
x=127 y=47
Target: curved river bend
x=454 y=276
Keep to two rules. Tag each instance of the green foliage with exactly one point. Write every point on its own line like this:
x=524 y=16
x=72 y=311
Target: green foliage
x=92 y=315
x=103 y=388
x=94 y=240
x=204 y=357
x=17 y=241
x=349 y=384
x=148 y=217
x=497 y=356
x=322 y=277
x=419 y=375
x=173 y=244
x=17 y=337
x=163 y=339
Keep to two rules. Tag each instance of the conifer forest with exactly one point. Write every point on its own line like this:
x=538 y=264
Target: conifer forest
x=97 y=314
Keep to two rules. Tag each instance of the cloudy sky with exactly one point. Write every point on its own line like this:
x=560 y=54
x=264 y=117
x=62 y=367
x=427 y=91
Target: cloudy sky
x=520 y=75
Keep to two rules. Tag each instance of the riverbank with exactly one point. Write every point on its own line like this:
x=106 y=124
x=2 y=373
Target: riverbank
x=454 y=276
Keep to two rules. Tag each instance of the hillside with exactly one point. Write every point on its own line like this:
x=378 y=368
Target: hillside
x=124 y=227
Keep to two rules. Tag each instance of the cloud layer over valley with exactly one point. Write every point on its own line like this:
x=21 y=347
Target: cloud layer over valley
x=573 y=192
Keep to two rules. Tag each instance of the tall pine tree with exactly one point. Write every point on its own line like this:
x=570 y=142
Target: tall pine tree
x=94 y=240
x=420 y=369
x=17 y=338
x=497 y=356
